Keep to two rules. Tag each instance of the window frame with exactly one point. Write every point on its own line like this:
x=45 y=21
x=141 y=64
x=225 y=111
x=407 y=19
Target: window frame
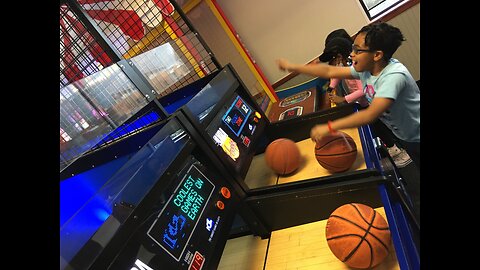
x=391 y=6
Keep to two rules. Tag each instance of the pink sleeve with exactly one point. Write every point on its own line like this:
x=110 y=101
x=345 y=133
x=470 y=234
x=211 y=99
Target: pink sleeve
x=356 y=86
x=354 y=96
x=334 y=82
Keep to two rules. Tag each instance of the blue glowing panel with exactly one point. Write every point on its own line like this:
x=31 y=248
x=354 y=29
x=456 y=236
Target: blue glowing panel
x=87 y=221
x=175 y=224
x=171 y=108
x=77 y=190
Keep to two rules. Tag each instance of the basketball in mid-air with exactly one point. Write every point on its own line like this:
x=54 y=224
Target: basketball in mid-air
x=336 y=152
x=282 y=156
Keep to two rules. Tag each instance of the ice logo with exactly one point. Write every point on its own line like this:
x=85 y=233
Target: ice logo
x=209 y=224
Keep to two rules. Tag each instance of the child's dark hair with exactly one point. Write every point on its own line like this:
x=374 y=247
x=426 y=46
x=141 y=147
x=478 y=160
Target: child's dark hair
x=382 y=37
x=337 y=33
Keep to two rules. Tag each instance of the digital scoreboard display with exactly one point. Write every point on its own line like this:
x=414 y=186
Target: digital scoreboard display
x=176 y=223
x=236 y=116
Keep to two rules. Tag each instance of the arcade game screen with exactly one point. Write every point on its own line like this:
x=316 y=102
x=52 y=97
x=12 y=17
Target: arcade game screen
x=225 y=111
x=234 y=128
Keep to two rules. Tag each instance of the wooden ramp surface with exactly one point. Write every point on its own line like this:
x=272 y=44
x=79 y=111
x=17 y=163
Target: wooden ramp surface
x=302 y=247
x=259 y=174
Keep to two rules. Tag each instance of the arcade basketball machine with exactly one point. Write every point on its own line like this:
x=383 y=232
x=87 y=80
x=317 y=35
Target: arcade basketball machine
x=92 y=184
x=168 y=205
x=236 y=131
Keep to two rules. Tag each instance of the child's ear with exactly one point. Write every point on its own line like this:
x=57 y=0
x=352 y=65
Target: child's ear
x=378 y=55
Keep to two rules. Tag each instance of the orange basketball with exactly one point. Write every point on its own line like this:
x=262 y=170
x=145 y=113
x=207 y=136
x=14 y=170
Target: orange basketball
x=282 y=156
x=336 y=152
x=358 y=235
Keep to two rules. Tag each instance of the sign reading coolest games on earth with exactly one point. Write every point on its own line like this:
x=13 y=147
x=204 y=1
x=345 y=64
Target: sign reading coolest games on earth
x=175 y=224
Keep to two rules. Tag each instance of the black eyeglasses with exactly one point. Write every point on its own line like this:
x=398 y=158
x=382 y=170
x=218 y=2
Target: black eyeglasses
x=356 y=50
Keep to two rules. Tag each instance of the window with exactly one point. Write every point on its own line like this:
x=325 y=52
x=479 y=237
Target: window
x=375 y=8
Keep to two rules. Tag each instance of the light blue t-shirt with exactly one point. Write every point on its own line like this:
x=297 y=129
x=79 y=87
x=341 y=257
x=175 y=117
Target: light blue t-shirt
x=395 y=82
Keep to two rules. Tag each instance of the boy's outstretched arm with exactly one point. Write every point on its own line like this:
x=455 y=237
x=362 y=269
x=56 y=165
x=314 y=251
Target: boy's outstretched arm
x=321 y=70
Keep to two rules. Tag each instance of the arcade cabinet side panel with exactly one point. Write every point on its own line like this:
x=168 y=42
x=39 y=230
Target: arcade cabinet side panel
x=189 y=226
x=168 y=207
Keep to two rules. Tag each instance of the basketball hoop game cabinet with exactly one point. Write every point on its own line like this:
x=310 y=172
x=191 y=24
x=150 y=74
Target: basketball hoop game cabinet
x=176 y=201
x=166 y=205
x=236 y=132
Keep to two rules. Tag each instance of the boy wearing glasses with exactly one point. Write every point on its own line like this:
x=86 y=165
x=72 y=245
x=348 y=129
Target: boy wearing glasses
x=391 y=91
x=338 y=47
